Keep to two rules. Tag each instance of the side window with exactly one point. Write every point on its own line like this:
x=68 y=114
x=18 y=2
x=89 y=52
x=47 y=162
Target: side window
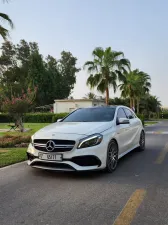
x=121 y=114
x=129 y=114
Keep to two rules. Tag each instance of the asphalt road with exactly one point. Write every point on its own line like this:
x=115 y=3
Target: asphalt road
x=136 y=193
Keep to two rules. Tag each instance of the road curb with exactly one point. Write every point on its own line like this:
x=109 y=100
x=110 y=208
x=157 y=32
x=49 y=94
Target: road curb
x=13 y=165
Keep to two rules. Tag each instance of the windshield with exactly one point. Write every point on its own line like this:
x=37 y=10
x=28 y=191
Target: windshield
x=91 y=115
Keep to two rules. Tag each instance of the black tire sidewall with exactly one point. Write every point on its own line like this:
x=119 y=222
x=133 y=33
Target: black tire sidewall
x=109 y=169
x=140 y=147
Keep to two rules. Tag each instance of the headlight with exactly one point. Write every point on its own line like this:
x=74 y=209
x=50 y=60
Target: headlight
x=89 y=141
x=32 y=139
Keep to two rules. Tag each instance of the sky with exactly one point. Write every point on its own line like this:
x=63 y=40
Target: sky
x=136 y=27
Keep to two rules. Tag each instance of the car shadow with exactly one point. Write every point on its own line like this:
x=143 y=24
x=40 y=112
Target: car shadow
x=89 y=175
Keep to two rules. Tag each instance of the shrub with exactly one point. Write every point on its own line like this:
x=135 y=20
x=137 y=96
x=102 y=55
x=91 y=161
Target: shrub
x=16 y=107
x=38 y=118
x=35 y=117
x=58 y=116
x=5 y=118
x=141 y=117
x=165 y=115
x=11 y=141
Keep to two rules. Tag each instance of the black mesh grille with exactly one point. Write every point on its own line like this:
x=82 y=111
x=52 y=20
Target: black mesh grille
x=87 y=160
x=43 y=149
x=53 y=165
x=57 y=142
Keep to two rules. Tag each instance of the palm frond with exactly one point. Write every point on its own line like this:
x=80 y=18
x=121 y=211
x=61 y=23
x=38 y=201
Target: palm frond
x=102 y=86
x=88 y=63
x=98 y=52
x=94 y=80
x=4 y=32
x=117 y=54
x=5 y=17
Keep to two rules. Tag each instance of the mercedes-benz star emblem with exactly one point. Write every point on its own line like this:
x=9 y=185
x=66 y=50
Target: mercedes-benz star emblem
x=50 y=146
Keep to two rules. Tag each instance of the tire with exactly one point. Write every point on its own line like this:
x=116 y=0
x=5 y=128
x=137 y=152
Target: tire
x=142 y=142
x=112 y=157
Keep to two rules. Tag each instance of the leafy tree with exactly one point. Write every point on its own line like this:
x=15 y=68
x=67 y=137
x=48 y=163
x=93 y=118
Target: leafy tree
x=18 y=106
x=3 y=31
x=67 y=68
x=36 y=77
x=22 y=66
x=7 y=59
x=52 y=80
x=150 y=104
x=106 y=69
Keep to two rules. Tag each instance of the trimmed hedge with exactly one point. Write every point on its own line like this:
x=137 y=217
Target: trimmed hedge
x=165 y=115
x=47 y=117
x=35 y=117
x=58 y=116
x=5 y=118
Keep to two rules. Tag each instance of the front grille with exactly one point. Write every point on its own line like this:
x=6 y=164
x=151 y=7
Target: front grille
x=60 y=145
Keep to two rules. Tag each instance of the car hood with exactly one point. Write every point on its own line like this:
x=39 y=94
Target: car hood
x=80 y=128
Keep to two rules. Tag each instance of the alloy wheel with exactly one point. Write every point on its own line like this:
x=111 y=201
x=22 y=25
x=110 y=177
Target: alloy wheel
x=112 y=157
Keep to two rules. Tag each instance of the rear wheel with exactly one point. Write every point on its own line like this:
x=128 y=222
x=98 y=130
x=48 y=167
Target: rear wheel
x=142 y=141
x=112 y=157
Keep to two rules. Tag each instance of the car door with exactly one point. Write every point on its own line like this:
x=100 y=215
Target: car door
x=123 y=132
x=134 y=127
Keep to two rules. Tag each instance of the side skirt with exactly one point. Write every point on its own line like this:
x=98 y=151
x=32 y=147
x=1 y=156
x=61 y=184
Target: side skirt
x=126 y=152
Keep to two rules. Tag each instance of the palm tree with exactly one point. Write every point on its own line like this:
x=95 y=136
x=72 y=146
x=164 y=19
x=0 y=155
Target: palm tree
x=152 y=104
x=135 y=84
x=90 y=95
x=143 y=87
x=3 y=31
x=106 y=69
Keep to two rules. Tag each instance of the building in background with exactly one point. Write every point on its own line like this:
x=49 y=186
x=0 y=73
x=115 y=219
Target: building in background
x=69 y=105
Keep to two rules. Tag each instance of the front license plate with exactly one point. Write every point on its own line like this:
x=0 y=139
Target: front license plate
x=50 y=157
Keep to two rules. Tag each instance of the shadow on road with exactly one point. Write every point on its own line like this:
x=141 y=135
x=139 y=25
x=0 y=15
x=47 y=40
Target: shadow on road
x=90 y=175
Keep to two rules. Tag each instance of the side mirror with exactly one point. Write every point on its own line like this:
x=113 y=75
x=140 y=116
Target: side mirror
x=59 y=120
x=122 y=121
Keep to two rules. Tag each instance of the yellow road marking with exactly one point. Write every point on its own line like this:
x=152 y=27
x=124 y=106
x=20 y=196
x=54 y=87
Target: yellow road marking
x=127 y=214
x=162 y=155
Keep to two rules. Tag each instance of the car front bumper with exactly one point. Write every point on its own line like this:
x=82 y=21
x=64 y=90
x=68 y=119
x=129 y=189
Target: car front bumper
x=91 y=158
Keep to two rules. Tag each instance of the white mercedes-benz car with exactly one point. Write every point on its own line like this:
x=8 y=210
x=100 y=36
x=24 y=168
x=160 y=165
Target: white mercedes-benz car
x=87 y=139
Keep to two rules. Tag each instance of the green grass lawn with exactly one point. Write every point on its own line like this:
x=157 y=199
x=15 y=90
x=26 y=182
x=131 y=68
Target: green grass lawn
x=33 y=126
x=150 y=123
x=11 y=156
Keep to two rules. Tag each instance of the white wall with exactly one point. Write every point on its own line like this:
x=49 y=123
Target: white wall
x=69 y=106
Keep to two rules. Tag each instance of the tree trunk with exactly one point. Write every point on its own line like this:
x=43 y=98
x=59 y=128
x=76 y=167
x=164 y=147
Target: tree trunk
x=19 y=123
x=133 y=103
x=107 y=96
x=137 y=105
x=130 y=102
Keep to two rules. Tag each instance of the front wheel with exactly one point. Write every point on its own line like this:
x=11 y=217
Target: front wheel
x=112 y=157
x=142 y=141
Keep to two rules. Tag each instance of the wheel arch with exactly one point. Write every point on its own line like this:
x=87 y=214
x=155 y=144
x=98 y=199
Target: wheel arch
x=114 y=139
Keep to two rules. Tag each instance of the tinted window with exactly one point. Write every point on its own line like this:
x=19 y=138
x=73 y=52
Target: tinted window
x=91 y=115
x=121 y=114
x=129 y=114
